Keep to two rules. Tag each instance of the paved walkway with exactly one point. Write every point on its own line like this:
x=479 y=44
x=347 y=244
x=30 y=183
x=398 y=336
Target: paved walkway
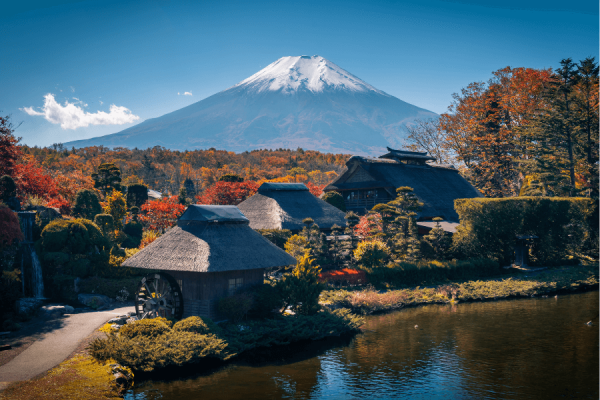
x=55 y=346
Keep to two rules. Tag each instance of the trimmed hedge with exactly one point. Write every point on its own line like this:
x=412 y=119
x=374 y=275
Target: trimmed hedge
x=488 y=228
x=429 y=272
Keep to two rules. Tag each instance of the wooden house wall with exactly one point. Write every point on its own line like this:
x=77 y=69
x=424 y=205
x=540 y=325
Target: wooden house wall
x=202 y=290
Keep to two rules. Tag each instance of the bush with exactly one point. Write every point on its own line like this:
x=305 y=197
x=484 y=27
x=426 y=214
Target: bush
x=276 y=236
x=372 y=253
x=87 y=204
x=133 y=228
x=235 y=307
x=335 y=199
x=296 y=246
x=149 y=328
x=488 y=227
x=301 y=289
x=428 y=272
x=71 y=236
x=96 y=235
x=105 y=222
x=137 y=194
x=195 y=325
x=267 y=300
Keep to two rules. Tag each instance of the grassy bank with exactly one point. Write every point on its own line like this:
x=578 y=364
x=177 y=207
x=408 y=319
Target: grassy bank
x=78 y=378
x=152 y=344
x=557 y=280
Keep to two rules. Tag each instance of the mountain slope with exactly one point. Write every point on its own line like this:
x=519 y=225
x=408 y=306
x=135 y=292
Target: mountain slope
x=306 y=102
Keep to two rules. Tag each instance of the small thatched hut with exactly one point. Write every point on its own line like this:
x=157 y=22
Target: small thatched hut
x=285 y=205
x=211 y=253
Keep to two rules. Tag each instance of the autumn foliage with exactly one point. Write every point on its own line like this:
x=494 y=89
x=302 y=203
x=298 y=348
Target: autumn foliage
x=346 y=275
x=158 y=215
x=228 y=193
x=10 y=230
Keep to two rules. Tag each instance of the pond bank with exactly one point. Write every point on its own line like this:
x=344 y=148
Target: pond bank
x=544 y=283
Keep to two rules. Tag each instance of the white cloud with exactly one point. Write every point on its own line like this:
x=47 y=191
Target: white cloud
x=185 y=94
x=101 y=102
x=72 y=88
x=70 y=116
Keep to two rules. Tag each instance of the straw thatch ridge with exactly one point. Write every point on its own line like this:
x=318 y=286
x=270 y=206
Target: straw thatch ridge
x=437 y=186
x=285 y=209
x=199 y=246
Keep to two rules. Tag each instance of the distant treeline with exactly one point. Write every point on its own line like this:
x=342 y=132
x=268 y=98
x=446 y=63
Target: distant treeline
x=166 y=170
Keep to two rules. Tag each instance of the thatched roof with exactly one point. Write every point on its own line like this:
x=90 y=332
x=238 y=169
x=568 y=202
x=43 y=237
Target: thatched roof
x=285 y=205
x=435 y=185
x=210 y=239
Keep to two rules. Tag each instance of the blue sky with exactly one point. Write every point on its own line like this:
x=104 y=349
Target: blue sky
x=138 y=55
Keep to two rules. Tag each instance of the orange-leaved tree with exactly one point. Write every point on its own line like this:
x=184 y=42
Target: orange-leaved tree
x=161 y=214
x=228 y=193
x=484 y=127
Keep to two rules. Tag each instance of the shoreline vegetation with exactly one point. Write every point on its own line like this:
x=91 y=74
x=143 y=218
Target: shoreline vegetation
x=558 y=280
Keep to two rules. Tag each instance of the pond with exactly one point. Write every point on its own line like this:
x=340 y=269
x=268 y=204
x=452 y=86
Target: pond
x=539 y=348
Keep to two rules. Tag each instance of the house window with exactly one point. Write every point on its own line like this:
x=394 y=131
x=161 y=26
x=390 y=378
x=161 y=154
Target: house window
x=235 y=284
x=180 y=283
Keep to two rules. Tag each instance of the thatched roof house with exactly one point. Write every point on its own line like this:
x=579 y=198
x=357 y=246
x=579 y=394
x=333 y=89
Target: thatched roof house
x=285 y=205
x=368 y=181
x=211 y=253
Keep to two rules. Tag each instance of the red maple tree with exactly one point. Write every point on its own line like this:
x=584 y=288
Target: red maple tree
x=368 y=225
x=161 y=214
x=10 y=230
x=228 y=193
x=316 y=190
x=31 y=179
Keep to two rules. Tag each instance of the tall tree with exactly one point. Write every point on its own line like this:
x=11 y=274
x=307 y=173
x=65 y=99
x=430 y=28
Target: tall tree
x=10 y=153
x=555 y=133
x=108 y=178
x=483 y=125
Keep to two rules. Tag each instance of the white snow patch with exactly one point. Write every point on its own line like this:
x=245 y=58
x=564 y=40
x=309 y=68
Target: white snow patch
x=315 y=74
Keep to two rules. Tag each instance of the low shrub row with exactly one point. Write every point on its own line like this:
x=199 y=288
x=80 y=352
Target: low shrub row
x=368 y=301
x=149 y=344
x=404 y=274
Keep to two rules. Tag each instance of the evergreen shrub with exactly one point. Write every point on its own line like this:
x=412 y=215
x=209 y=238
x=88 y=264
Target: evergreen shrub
x=276 y=236
x=488 y=228
x=335 y=199
x=428 y=272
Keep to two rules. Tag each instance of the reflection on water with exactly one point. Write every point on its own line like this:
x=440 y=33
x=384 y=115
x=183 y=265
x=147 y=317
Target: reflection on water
x=521 y=349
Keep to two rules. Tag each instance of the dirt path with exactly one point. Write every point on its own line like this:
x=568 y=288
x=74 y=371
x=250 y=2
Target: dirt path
x=52 y=347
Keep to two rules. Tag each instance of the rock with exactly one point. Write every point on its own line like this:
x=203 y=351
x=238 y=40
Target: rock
x=118 y=320
x=115 y=326
x=132 y=320
x=56 y=309
x=95 y=301
x=69 y=309
x=28 y=305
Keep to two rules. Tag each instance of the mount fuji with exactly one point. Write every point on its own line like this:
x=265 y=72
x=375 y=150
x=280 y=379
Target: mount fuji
x=304 y=101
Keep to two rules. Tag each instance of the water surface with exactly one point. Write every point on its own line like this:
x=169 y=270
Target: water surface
x=536 y=348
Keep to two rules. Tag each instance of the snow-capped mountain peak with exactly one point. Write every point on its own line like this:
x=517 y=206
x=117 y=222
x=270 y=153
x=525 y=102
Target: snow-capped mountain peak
x=306 y=73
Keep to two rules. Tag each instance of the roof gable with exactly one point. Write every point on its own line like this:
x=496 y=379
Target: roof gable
x=208 y=213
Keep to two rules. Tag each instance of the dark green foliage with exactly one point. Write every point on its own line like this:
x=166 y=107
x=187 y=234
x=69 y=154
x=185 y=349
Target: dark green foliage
x=235 y=307
x=146 y=345
x=105 y=222
x=97 y=237
x=188 y=184
x=108 y=178
x=137 y=194
x=8 y=188
x=132 y=242
x=182 y=198
x=231 y=178
x=87 y=204
x=424 y=273
x=335 y=199
x=266 y=300
x=276 y=236
x=439 y=240
x=133 y=228
x=488 y=228
x=300 y=290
